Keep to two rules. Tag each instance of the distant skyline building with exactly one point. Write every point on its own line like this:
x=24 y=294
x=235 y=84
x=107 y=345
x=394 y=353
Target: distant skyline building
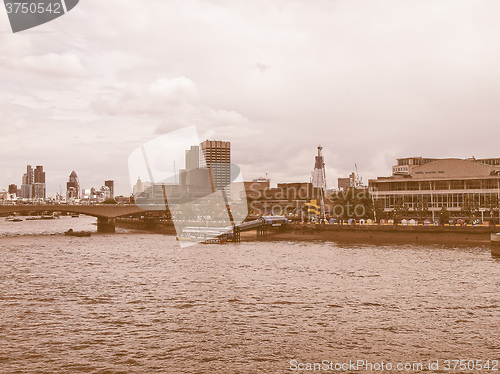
x=111 y=185
x=38 y=187
x=13 y=189
x=93 y=195
x=26 y=190
x=217 y=157
x=33 y=183
x=73 y=187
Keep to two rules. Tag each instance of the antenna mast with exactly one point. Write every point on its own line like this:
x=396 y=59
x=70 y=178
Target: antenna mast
x=319 y=179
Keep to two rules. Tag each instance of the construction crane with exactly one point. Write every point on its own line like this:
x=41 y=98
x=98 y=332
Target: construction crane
x=358 y=181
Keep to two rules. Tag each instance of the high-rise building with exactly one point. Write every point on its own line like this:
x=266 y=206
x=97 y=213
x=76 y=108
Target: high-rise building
x=73 y=187
x=193 y=158
x=26 y=186
x=111 y=185
x=39 y=176
x=217 y=157
x=38 y=186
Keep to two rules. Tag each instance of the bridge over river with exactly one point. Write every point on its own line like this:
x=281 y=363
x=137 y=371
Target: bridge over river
x=105 y=213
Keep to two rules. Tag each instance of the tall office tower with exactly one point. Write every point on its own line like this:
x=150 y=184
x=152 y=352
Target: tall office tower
x=73 y=187
x=111 y=185
x=193 y=158
x=217 y=156
x=38 y=187
x=26 y=189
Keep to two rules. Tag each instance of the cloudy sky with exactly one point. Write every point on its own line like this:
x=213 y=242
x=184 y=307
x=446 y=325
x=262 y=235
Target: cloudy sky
x=368 y=80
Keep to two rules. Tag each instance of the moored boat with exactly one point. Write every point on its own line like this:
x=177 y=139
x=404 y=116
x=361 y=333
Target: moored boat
x=34 y=218
x=495 y=244
x=204 y=240
x=13 y=219
x=82 y=233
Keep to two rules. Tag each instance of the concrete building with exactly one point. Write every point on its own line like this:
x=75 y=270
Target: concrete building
x=430 y=184
x=217 y=157
x=406 y=165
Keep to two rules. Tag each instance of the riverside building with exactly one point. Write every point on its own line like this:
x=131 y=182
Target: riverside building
x=431 y=184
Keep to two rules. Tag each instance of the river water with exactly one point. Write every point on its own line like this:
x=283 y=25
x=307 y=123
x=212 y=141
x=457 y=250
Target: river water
x=137 y=303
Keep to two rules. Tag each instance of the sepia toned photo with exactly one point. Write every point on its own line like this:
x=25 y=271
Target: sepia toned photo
x=281 y=186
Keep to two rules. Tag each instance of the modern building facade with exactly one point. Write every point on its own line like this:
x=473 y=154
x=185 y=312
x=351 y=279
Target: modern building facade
x=217 y=157
x=430 y=184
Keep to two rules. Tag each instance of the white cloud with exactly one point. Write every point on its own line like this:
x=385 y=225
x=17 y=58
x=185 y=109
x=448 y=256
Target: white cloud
x=369 y=80
x=55 y=65
x=151 y=100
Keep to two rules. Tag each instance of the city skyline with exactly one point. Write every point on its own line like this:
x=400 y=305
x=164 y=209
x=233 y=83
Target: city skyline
x=193 y=159
x=33 y=186
x=273 y=79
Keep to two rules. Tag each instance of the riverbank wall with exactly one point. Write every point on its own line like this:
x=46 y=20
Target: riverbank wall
x=380 y=234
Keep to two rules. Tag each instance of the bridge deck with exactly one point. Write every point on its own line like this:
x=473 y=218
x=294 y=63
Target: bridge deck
x=102 y=210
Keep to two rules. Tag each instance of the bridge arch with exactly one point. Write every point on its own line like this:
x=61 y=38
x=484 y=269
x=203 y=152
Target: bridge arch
x=105 y=213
